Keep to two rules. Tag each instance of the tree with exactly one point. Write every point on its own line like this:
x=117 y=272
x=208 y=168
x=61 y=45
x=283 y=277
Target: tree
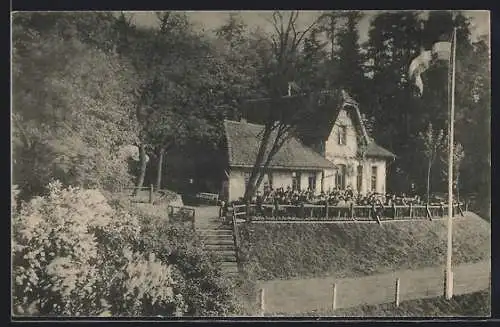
x=350 y=62
x=432 y=142
x=233 y=31
x=473 y=122
x=458 y=156
x=312 y=63
x=328 y=23
x=62 y=88
x=280 y=65
x=394 y=40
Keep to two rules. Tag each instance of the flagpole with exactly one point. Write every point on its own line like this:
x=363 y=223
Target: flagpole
x=449 y=274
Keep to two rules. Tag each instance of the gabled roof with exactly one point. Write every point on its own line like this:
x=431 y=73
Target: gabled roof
x=375 y=150
x=243 y=140
x=316 y=127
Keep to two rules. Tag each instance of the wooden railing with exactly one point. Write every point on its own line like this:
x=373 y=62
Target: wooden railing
x=181 y=215
x=340 y=213
x=236 y=238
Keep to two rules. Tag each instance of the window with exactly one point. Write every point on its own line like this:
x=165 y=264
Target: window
x=374 y=179
x=247 y=178
x=312 y=182
x=296 y=181
x=342 y=135
x=360 y=177
x=340 y=177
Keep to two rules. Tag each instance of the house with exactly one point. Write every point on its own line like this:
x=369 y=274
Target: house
x=361 y=163
x=294 y=165
x=332 y=150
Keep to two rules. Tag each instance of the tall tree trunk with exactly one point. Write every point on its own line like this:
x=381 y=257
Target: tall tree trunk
x=143 y=166
x=277 y=144
x=160 y=168
x=250 y=187
x=429 y=165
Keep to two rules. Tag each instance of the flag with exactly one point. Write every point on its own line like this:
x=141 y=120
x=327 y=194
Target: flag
x=419 y=65
x=440 y=50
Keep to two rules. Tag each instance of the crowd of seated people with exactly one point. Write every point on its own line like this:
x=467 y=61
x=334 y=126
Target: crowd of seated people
x=276 y=200
x=335 y=197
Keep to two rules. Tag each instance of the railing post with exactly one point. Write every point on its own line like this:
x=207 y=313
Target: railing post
x=394 y=210
x=411 y=207
x=235 y=237
x=326 y=210
x=397 y=292
x=334 y=296
x=448 y=287
x=193 y=219
x=247 y=210
x=441 y=210
x=151 y=193
x=460 y=209
x=262 y=304
x=428 y=211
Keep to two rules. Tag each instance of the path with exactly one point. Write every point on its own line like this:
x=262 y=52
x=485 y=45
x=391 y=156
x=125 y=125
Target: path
x=216 y=237
x=315 y=294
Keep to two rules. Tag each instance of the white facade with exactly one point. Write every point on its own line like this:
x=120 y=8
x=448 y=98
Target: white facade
x=342 y=150
x=279 y=178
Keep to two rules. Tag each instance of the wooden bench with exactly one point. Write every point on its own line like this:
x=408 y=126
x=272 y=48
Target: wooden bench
x=208 y=197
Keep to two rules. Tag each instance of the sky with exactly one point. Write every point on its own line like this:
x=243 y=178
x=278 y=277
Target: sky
x=209 y=20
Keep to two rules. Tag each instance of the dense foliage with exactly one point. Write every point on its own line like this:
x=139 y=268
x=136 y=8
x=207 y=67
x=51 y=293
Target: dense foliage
x=73 y=254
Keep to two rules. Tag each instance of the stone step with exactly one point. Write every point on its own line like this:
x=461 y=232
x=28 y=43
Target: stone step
x=228 y=264
x=226 y=253
x=211 y=225
x=218 y=241
x=227 y=257
x=211 y=231
x=216 y=237
x=220 y=247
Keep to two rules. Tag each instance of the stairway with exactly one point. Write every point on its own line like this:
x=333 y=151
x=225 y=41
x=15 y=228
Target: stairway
x=218 y=238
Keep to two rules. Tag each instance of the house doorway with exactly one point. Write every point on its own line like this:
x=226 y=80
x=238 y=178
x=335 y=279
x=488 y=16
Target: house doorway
x=340 y=177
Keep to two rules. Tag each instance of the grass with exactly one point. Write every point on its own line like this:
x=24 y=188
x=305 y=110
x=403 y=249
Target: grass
x=470 y=305
x=285 y=251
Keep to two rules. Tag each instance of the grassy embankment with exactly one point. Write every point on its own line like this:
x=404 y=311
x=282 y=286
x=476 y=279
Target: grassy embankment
x=284 y=251
x=289 y=251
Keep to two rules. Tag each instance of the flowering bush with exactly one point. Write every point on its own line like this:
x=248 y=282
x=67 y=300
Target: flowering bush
x=207 y=292
x=70 y=257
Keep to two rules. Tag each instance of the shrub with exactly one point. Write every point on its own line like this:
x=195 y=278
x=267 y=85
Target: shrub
x=207 y=292
x=69 y=259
